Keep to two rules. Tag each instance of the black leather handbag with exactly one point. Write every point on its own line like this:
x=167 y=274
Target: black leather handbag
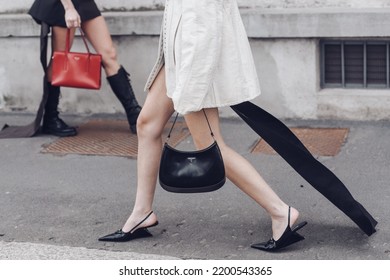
x=191 y=171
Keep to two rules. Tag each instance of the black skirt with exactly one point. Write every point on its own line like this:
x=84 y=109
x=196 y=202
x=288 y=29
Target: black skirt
x=52 y=12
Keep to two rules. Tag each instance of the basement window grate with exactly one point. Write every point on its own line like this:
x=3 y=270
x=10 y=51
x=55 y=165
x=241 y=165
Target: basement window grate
x=355 y=64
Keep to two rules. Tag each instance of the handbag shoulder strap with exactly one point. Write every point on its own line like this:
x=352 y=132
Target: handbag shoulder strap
x=174 y=122
x=67 y=49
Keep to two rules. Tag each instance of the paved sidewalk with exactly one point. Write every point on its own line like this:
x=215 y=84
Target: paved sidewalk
x=57 y=206
x=32 y=251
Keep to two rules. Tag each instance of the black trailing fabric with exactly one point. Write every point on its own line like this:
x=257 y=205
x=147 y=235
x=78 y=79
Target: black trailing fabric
x=32 y=128
x=289 y=147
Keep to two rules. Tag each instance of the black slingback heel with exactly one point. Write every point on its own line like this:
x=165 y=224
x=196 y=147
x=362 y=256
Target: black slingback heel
x=289 y=237
x=134 y=233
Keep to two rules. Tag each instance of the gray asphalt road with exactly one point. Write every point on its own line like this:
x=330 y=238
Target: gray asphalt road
x=64 y=203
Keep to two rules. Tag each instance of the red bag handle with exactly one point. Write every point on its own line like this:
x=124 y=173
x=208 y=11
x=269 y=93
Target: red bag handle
x=67 y=49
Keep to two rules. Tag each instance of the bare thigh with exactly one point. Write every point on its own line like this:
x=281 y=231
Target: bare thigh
x=157 y=109
x=98 y=34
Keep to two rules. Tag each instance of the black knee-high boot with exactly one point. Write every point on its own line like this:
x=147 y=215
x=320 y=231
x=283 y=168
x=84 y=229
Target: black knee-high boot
x=121 y=86
x=52 y=124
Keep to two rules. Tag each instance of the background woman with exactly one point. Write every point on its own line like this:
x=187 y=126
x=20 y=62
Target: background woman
x=63 y=14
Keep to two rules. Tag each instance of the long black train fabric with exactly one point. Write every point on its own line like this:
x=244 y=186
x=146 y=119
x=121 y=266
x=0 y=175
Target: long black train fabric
x=32 y=128
x=291 y=149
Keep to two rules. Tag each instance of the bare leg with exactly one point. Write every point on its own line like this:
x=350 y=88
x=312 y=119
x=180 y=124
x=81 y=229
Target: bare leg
x=98 y=34
x=240 y=171
x=58 y=43
x=154 y=115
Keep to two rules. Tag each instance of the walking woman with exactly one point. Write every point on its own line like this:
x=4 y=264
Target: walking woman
x=83 y=13
x=204 y=62
x=60 y=15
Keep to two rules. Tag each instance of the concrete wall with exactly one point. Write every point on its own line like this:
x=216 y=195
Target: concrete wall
x=21 y=5
x=285 y=44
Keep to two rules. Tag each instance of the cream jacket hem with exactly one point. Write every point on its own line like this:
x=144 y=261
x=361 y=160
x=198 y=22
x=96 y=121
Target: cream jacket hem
x=207 y=57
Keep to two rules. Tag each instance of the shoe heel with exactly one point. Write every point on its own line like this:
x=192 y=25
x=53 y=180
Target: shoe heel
x=297 y=237
x=299 y=226
x=290 y=236
x=141 y=233
x=293 y=238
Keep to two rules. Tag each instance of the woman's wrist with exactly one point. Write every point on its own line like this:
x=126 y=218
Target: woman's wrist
x=68 y=5
x=72 y=17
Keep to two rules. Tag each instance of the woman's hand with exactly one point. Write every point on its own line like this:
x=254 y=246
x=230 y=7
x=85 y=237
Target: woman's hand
x=72 y=18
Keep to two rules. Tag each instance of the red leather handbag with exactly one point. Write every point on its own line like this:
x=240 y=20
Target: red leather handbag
x=78 y=70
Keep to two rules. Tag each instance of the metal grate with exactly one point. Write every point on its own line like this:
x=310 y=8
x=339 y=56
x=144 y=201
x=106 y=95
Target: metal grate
x=333 y=67
x=319 y=141
x=108 y=138
x=355 y=64
x=376 y=64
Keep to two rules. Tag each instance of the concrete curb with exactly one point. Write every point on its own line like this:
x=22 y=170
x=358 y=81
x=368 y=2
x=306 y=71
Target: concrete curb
x=32 y=251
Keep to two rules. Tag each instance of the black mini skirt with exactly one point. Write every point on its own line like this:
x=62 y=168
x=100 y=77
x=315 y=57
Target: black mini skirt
x=52 y=12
